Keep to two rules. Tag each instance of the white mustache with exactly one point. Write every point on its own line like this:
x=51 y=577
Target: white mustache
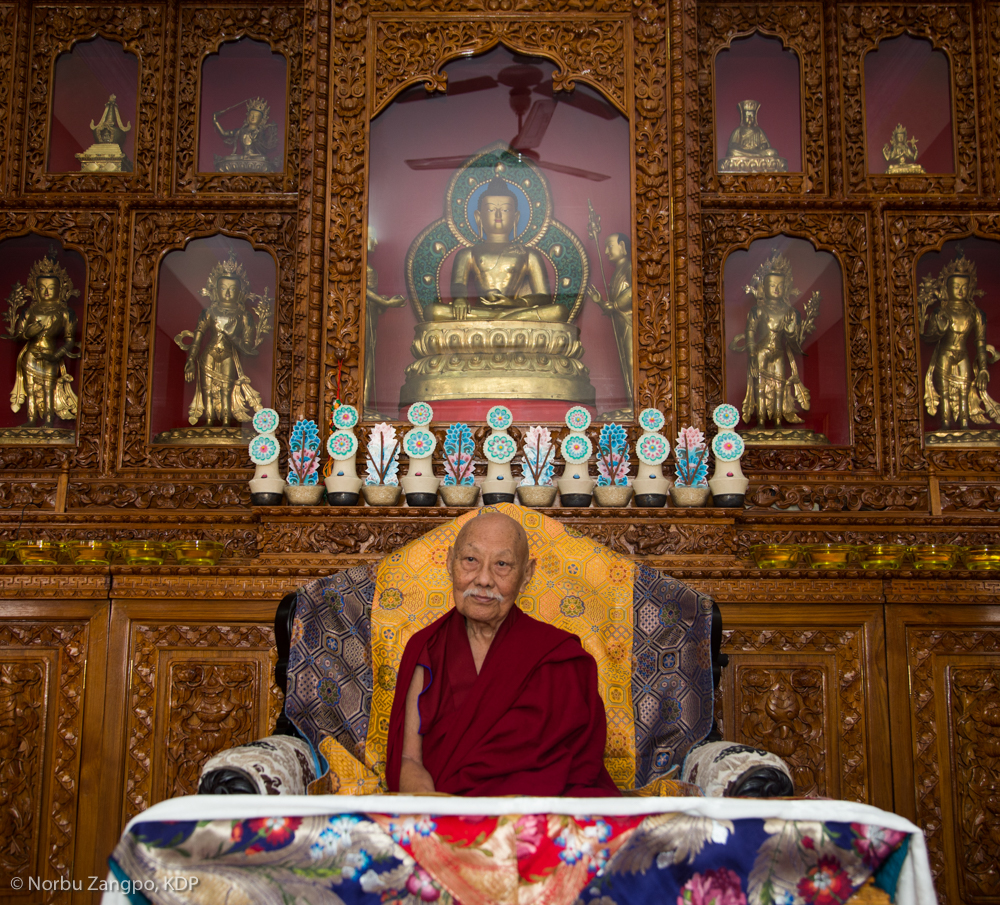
x=482 y=592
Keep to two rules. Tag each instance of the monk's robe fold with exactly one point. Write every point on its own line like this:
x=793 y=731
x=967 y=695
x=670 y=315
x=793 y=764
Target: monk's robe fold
x=530 y=723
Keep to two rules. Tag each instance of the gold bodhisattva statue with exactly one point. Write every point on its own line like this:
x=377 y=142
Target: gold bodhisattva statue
x=251 y=142
x=226 y=330
x=375 y=304
x=106 y=154
x=498 y=278
x=47 y=327
x=775 y=332
x=618 y=305
x=956 y=379
x=749 y=150
x=901 y=153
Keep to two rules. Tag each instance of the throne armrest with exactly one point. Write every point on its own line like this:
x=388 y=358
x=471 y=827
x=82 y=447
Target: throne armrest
x=726 y=769
x=276 y=765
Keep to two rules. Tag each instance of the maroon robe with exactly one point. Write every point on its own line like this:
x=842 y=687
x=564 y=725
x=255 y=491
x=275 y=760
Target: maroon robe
x=531 y=723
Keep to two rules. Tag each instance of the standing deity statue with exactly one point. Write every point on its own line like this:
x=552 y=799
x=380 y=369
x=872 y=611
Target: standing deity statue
x=958 y=373
x=251 y=141
x=775 y=333
x=374 y=305
x=749 y=151
x=618 y=304
x=47 y=327
x=227 y=329
x=901 y=153
x=498 y=278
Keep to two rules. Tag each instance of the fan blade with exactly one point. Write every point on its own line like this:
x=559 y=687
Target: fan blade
x=436 y=163
x=572 y=171
x=533 y=130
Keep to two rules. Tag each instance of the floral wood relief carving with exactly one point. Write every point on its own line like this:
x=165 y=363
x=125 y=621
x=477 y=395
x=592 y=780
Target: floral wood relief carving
x=23 y=686
x=847 y=237
x=948 y=28
x=8 y=16
x=121 y=494
x=148 y=729
x=55 y=29
x=975 y=756
x=92 y=233
x=408 y=52
x=929 y=652
x=908 y=237
x=800 y=29
x=154 y=234
x=54 y=669
x=202 y=31
x=784 y=711
x=212 y=706
x=836 y=496
x=789 y=686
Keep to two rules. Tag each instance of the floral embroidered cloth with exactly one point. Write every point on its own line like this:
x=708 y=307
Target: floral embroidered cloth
x=407 y=849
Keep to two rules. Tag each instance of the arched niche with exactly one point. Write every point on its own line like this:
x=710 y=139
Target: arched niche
x=420 y=139
x=85 y=78
x=823 y=364
x=960 y=336
x=759 y=67
x=240 y=74
x=180 y=302
x=18 y=255
x=908 y=82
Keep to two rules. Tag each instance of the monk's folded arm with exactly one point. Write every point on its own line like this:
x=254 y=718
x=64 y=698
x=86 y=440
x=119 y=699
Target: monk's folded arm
x=413 y=777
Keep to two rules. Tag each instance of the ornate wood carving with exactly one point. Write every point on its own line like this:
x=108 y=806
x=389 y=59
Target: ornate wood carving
x=23 y=719
x=908 y=237
x=161 y=654
x=203 y=30
x=846 y=236
x=836 y=495
x=975 y=760
x=800 y=29
x=92 y=233
x=154 y=234
x=8 y=18
x=55 y=29
x=786 y=681
x=956 y=660
x=948 y=28
x=42 y=669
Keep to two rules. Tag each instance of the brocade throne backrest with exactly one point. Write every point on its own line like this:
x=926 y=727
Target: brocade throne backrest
x=648 y=633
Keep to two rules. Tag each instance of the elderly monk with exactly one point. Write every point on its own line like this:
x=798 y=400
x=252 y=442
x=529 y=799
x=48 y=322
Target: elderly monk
x=490 y=701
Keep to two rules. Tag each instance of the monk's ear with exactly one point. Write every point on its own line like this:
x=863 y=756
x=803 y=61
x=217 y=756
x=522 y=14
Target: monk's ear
x=450 y=559
x=529 y=573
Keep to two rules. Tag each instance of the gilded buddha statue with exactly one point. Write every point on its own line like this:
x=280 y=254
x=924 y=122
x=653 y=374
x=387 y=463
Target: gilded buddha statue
x=958 y=373
x=901 y=153
x=749 y=151
x=516 y=280
x=775 y=333
x=252 y=141
x=47 y=327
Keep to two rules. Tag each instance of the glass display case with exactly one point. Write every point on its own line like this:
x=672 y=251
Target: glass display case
x=786 y=346
x=242 y=112
x=94 y=109
x=958 y=318
x=42 y=330
x=766 y=137
x=499 y=235
x=908 y=117
x=213 y=354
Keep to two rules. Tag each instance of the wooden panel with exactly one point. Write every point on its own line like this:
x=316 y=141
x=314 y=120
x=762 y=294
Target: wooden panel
x=808 y=684
x=50 y=739
x=946 y=733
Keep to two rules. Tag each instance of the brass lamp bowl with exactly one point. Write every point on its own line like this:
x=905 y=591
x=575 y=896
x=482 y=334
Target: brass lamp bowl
x=776 y=556
x=934 y=556
x=37 y=552
x=90 y=552
x=830 y=556
x=198 y=552
x=6 y=552
x=882 y=556
x=982 y=557
x=144 y=552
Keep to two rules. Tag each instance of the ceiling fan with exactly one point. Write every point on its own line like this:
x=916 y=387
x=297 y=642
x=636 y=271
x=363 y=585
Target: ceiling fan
x=532 y=118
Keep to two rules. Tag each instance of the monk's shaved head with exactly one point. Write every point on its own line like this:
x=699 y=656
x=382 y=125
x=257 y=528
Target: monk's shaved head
x=474 y=526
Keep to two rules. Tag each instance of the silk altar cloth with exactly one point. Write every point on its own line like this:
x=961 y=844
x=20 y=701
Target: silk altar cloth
x=482 y=851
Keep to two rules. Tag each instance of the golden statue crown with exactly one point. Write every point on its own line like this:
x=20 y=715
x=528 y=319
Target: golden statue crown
x=48 y=266
x=259 y=104
x=960 y=266
x=778 y=265
x=229 y=269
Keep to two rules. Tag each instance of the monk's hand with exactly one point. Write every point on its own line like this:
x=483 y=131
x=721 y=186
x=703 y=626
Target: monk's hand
x=413 y=777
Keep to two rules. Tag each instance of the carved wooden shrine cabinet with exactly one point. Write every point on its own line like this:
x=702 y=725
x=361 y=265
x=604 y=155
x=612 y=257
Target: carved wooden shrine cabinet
x=116 y=682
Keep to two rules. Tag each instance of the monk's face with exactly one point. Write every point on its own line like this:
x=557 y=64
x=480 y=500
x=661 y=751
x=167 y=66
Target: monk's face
x=489 y=567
